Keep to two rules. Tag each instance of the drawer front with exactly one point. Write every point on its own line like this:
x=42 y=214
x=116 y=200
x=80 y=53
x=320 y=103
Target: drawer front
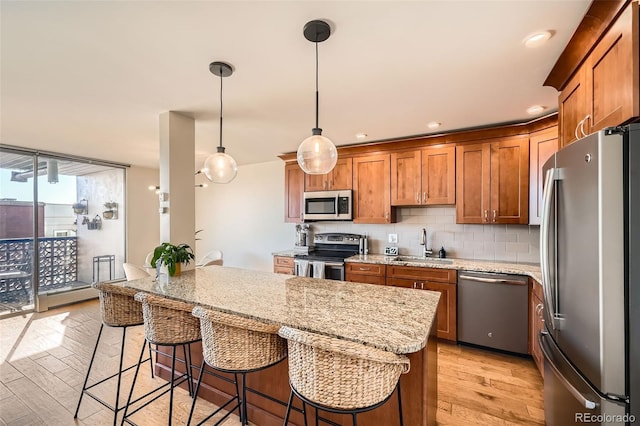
x=283 y=270
x=367 y=279
x=424 y=274
x=283 y=261
x=365 y=269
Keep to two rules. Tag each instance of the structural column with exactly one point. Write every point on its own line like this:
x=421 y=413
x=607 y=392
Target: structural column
x=177 y=194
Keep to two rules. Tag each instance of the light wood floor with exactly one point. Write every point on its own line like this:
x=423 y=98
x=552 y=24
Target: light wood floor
x=44 y=358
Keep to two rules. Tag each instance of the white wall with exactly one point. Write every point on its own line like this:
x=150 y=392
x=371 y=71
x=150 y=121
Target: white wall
x=99 y=188
x=245 y=218
x=143 y=219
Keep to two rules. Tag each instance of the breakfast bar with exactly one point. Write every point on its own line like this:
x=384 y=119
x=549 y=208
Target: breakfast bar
x=397 y=320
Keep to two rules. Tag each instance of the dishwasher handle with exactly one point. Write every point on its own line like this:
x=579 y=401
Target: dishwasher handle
x=492 y=280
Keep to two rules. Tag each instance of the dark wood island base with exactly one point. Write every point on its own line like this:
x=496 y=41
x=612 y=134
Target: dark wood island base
x=419 y=392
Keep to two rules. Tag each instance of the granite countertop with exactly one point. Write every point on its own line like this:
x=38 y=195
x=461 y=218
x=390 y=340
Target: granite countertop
x=284 y=253
x=390 y=318
x=459 y=264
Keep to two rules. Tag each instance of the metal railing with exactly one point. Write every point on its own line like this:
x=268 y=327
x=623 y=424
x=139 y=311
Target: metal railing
x=57 y=264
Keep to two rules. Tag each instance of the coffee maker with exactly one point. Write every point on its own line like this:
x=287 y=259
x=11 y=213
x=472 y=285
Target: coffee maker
x=302 y=234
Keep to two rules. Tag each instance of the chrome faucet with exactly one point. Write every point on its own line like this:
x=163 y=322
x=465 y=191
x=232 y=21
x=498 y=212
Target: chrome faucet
x=427 y=252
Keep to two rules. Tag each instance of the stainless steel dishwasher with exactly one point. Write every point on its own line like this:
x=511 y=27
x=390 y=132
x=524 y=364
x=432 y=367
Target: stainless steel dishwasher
x=493 y=310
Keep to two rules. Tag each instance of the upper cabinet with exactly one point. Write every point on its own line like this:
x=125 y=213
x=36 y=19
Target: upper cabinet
x=293 y=189
x=371 y=189
x=604 y=89
x=423 y=177
x=493 y=181
x=340 y=178
x=542 y=145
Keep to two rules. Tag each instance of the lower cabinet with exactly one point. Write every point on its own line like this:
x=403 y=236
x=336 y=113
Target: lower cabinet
x=369 y=273
x=434 y=279
x=283 y=265
x=536 y=322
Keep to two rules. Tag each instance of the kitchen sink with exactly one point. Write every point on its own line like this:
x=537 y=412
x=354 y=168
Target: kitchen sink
x=418 y=259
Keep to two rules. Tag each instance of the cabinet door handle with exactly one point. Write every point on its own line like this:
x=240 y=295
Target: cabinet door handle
x=575 y=132
x=415 y=284
x=424 y=197
x=486 y=215
x=417 y=198
x=539 y=308
x=386 y=215
x=421 y=286
x=365 y=269
x=494 y=215
x=582 y=124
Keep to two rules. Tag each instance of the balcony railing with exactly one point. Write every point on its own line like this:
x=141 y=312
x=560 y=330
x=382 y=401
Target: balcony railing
x=57 y=266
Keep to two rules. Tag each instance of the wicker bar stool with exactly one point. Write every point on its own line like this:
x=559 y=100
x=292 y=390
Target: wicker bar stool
x=166 y=323
x=338 y=376
x=118 y=309
x=237 y=345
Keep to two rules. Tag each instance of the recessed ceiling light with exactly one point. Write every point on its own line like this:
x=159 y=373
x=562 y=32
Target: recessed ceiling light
x=434 y=125
x=361 y=135
x=537 y=39
x=536 y=109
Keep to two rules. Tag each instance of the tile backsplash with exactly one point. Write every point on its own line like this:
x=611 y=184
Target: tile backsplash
x=509 y=243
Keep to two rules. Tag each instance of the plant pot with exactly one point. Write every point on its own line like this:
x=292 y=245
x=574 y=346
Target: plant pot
x=178 y=269
x=107 y=214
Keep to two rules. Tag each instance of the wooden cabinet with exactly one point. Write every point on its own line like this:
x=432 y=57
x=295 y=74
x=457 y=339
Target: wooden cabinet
x=611 y=73
x=371 y=189
x=493 y=181
x=572 y=109
x=339 y=178
x=536 y=322
x=423 y=177
x=283 y=265
x=434 y=279
x=542 y=145
x=605 y=90
x=293 y=190
x=370 y=273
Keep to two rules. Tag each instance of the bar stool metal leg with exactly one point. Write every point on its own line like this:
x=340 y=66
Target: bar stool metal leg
x=86 y=379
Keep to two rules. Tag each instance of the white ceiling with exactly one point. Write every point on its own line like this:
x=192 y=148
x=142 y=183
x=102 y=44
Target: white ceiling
x=91 y=78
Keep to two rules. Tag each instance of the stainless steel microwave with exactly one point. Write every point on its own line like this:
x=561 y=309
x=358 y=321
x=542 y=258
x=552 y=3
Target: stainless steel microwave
x=327 y=205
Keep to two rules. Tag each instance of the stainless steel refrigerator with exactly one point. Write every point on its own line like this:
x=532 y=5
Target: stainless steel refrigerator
x=590 y=261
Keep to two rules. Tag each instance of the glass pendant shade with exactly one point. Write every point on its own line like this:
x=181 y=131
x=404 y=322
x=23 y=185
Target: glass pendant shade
x=220 y=168
x=317 y=155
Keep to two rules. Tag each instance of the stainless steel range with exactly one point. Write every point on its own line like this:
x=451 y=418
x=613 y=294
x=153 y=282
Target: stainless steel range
x=326 y=258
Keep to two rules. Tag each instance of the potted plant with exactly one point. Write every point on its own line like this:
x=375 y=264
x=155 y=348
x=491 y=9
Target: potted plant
x=80 y=207
x=109 y=211
x=172 y=257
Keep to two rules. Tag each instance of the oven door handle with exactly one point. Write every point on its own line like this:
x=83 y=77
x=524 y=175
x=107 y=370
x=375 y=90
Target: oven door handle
x=333 y=264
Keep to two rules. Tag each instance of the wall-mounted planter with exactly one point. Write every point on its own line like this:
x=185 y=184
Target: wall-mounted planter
x=81 y=207
x=94 y=224
x=111 y=210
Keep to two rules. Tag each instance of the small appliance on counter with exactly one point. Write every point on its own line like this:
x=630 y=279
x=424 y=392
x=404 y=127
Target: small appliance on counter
x=302 y=234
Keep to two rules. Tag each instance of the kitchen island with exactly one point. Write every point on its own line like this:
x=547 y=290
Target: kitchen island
x=393 y=319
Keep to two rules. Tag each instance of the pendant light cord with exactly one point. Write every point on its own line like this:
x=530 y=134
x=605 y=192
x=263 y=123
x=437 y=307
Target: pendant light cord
x=317 y=96
x=221 y=106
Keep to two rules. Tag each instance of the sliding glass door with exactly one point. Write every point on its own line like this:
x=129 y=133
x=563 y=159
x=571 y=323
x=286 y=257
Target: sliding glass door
x=63 y=225
x=18 y=226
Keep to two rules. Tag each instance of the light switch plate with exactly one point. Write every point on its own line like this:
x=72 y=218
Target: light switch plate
x=393 y=238
x=391 y=251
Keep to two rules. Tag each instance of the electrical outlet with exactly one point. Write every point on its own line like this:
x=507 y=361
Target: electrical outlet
x=393 y=238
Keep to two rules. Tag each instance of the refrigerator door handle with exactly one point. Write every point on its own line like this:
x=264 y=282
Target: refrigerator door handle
x=586 y=403
x=548 y=192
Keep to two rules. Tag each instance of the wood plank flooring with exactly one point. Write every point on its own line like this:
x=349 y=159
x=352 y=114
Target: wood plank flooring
x=44 y=358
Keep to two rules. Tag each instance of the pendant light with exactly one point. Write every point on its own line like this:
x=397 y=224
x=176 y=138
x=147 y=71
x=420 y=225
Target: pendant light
x=220 y=167
x=317 y=155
